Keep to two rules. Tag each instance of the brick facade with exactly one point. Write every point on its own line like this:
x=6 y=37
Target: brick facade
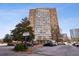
x=44 y=23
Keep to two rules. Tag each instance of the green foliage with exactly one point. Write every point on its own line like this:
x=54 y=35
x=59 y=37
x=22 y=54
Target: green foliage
x=20 y=47
x=22 y=27
x=7 y=38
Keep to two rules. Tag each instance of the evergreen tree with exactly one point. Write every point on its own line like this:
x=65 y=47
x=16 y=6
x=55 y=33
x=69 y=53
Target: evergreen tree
x=7 y=38
x=23 y=26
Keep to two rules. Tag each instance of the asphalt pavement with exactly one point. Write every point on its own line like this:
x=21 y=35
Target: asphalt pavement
x=61 y=50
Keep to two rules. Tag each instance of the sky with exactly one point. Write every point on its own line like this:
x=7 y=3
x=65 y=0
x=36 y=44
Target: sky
x=11 y=14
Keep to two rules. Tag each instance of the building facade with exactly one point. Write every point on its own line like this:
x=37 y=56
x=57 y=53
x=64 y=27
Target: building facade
x=64 y=37
x=74 y=33
x=44 y=23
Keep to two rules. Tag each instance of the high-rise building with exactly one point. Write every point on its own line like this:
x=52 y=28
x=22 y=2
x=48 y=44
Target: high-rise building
x=64 y=37
x=44 y=23
x=74 y=34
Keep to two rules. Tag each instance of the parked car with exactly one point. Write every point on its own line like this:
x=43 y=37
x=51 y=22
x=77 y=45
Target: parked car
x=10 y=44
x=49 y=44
x=76 y=44
x=60 y=43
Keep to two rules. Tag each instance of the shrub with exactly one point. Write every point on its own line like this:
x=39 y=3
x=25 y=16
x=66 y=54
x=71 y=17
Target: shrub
x=20 y=47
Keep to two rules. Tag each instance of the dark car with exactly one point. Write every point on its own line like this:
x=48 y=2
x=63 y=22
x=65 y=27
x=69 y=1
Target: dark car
x=49 y=44
x=76 y=44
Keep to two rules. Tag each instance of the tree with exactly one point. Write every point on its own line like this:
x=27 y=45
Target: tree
x=23 y=26
x=7 y=38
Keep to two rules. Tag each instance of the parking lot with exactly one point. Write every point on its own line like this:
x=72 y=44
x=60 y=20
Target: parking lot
x=61 y=50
